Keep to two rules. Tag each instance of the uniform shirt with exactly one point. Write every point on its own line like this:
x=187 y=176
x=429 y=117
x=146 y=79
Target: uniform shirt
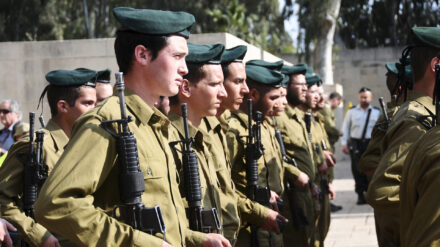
x=354 y=123
x=328 y=117
x=296 y=142
x=405 y=129
x=270 y=165
x=6 y=139
x=11 y=182
x=419 y=207
x=84 y=184
x=209 y=182
x=371 y=157
x=249 y=211
x=298 y=146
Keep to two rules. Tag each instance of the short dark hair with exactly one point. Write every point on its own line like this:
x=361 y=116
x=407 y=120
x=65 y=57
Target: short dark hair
x=420 y=59
x=263 y=89
x=225 y=69
x=126 y=42
x=364 y=89
x=57 y=93
x=335 y=95
x=195 y=74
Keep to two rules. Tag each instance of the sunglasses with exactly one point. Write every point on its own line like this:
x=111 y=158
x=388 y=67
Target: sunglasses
x=4 y=111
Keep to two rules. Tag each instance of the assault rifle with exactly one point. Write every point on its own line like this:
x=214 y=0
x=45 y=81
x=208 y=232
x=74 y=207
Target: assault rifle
x=131 y=179
x=299 y=218
x=34 y=172
x=200 y=219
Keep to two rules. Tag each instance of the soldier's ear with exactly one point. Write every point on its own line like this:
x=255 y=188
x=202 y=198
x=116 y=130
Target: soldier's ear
x=142 y=55
x=185 y=88
x=254 y=95
x=62 y=106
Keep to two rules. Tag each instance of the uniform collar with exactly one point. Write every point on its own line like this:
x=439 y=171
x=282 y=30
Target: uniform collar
x=177 y=122
x=142 y=111
x=242 y=117
x=422 y=98
x=58 y=135
x=212 y=124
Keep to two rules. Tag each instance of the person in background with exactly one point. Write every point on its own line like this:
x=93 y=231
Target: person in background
x=10 y=115
x=104 y=88
x=357 y=127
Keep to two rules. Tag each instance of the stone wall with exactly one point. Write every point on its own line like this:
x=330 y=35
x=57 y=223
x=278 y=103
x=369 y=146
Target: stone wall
x=23 y=65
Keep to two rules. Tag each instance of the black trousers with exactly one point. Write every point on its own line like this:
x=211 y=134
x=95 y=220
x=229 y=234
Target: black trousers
x=357 y=148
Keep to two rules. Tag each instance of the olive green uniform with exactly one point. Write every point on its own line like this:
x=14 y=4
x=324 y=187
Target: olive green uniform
x=371 y=157
x=330 y=126
x=270 y=169
x=292 y=126
x=209 y=182
x=248 y=211
x=84 y=184
x=319 y=136
x=383 y=192
x=419 y=193
x=11 y=182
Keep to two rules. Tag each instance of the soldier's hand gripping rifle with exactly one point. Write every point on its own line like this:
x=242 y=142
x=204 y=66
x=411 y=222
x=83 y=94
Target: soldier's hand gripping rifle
x=131 y=179
x=299 y=218
x=201 y=220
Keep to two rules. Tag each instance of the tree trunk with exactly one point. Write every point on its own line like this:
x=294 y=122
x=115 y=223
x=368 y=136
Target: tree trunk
x=87 y=21
x=324 y=43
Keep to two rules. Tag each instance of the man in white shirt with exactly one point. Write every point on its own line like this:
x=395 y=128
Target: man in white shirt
x=357 y=128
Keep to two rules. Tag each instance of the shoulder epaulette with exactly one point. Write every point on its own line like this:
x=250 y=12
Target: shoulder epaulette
x=426 y=121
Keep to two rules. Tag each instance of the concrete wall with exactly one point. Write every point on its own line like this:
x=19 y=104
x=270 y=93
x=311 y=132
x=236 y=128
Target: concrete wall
x=23 y=65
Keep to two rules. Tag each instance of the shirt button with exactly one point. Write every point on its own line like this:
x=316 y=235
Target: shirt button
x=149 y=171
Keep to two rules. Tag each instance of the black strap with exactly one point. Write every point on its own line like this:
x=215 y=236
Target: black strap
x=366 y=125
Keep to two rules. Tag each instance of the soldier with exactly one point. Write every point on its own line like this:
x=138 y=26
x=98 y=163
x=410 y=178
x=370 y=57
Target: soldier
x=263 y=80
x=327 y=192
x=292 y=126
x=70 y=93
x=419 y=182
x=202 y=90
x=370 y=158
x=235 y=84
x=333 y=102
x=103 y=87
x=357 y=127
x=409 y=124
x=85 y=183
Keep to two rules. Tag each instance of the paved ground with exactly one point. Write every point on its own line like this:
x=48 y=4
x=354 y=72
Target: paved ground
x=353 y=226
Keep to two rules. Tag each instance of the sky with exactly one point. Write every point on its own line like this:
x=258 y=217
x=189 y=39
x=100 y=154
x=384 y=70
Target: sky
x=291 y=25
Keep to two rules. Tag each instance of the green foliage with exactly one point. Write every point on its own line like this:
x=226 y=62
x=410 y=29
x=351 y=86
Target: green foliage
x=258 y=22
x=384 y=23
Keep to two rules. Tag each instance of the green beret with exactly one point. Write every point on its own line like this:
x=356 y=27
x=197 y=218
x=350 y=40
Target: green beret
x=264 y=75
x=275 y=65
x=104 y=76
x=312 y=80
x=235 y=54
x=154 y=22
x=427 y=36
x=285 y=82
x=408 y=73
x=293 y=70
x=204 y=54
x=71 y=78
x=391 y=67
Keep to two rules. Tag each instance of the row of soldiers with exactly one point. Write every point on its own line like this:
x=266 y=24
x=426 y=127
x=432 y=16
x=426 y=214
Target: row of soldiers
x=401 y=160
x=242 y=158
